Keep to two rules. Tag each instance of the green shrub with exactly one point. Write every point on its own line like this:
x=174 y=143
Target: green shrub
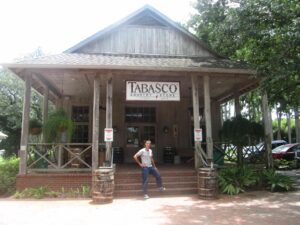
x=278 y=182
x=233 y=180
x=39 y=192
x=57 y=123
x=43 y=192
x=8 y=171
x=284 y=164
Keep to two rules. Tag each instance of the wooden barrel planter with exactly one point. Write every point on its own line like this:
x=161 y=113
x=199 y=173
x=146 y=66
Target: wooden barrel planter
x=103 y=185
x=207 y=183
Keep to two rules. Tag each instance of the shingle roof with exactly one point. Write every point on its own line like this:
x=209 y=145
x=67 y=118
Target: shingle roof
x=126 y=61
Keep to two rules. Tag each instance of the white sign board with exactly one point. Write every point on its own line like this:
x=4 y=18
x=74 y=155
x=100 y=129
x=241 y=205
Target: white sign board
x=108 y=134
x=152 y=91
x=198 y=134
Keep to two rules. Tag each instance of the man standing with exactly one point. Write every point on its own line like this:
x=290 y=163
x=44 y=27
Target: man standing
x=148 y=167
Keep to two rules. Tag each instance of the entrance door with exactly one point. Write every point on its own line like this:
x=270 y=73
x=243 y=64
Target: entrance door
x=136 y=137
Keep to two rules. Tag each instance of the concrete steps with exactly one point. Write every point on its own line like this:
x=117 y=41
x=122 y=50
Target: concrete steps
x=177 y=181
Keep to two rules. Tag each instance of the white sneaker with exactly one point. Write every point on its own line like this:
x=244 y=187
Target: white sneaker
x=162 y=189
x=146 y=196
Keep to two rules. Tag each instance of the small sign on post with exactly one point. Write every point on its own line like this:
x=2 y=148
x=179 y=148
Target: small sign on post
x=198 y=134
x=108 y=134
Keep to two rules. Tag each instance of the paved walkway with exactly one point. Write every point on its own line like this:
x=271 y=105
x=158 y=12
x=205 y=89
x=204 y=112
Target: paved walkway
x=259 y=208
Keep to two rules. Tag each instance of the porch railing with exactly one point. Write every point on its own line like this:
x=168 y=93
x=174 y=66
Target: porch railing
x=60 y=156
x=251 y=153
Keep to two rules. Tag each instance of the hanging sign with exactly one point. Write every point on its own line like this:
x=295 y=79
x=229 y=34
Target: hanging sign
x=198 y=134
x=152 y=91
x=108 y=134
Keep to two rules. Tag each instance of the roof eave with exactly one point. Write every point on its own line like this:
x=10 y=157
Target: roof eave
x=122 y=67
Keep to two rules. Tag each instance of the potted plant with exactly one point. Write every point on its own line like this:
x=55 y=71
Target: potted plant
x=35 y=126
x=59 y=124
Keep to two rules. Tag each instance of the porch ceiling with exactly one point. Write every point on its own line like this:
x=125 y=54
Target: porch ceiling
x=78 y=83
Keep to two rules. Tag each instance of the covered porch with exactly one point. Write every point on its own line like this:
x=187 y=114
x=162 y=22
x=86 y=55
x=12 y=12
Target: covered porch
x=92 y=90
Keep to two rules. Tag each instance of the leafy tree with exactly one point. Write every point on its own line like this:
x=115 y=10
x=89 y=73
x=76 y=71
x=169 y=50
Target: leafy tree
x=264 y=33
x=251 y=102
x=11 y=106
x=241 y=132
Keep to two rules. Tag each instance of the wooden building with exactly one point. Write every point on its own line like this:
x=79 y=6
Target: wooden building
x=144 y=76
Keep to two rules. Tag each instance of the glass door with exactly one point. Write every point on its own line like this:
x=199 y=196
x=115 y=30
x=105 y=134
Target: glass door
x=136 y=137
x=148 y=133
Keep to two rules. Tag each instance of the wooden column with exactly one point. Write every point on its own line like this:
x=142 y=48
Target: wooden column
x=45 y=107
x=207 y=113
x=109 y=96
x=25 y=125
x=195 y=95
x=267 y=128
x=95 y=146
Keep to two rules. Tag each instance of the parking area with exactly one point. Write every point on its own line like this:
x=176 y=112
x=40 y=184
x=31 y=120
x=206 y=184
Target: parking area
x=258 y=207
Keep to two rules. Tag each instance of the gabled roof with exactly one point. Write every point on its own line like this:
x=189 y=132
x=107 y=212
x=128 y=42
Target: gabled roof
x=147 y=9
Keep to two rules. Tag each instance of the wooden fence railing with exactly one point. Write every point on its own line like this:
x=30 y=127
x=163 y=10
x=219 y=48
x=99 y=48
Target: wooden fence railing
x=60 y=156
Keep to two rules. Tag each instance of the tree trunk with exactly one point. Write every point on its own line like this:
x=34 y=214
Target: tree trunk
x=279 y=124
x=297 y=125
x=267 y=125
x=289 y=126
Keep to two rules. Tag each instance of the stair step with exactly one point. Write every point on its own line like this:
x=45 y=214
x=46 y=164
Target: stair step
x=138 y=186
x=177 y=180
x=163 y=174
x=138 y=179
x=155 y=192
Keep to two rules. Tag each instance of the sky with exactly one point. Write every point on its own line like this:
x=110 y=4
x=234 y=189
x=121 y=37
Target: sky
x=56 y=25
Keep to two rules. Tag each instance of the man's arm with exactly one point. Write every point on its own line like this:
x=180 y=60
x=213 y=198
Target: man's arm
x=137 y=160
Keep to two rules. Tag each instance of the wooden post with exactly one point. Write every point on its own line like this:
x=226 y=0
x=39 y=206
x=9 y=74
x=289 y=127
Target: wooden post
x=60 y=155
x=207 y=114
x=25 y=125
x=95 y=147
x=267 y=125
x=109 y=96
x=199 y=154
x=45 y=108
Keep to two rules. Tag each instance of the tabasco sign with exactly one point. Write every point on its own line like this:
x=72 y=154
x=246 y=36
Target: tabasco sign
x=152 y=91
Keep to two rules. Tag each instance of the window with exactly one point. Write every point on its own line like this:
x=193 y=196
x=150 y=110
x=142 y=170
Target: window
x=140 y=114
x=80 y=117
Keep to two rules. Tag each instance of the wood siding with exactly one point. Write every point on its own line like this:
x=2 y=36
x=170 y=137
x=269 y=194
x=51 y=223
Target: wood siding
x=156 y=40
x=167 y=114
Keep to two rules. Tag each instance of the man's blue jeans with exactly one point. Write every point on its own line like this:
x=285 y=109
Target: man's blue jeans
x=154 y=172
